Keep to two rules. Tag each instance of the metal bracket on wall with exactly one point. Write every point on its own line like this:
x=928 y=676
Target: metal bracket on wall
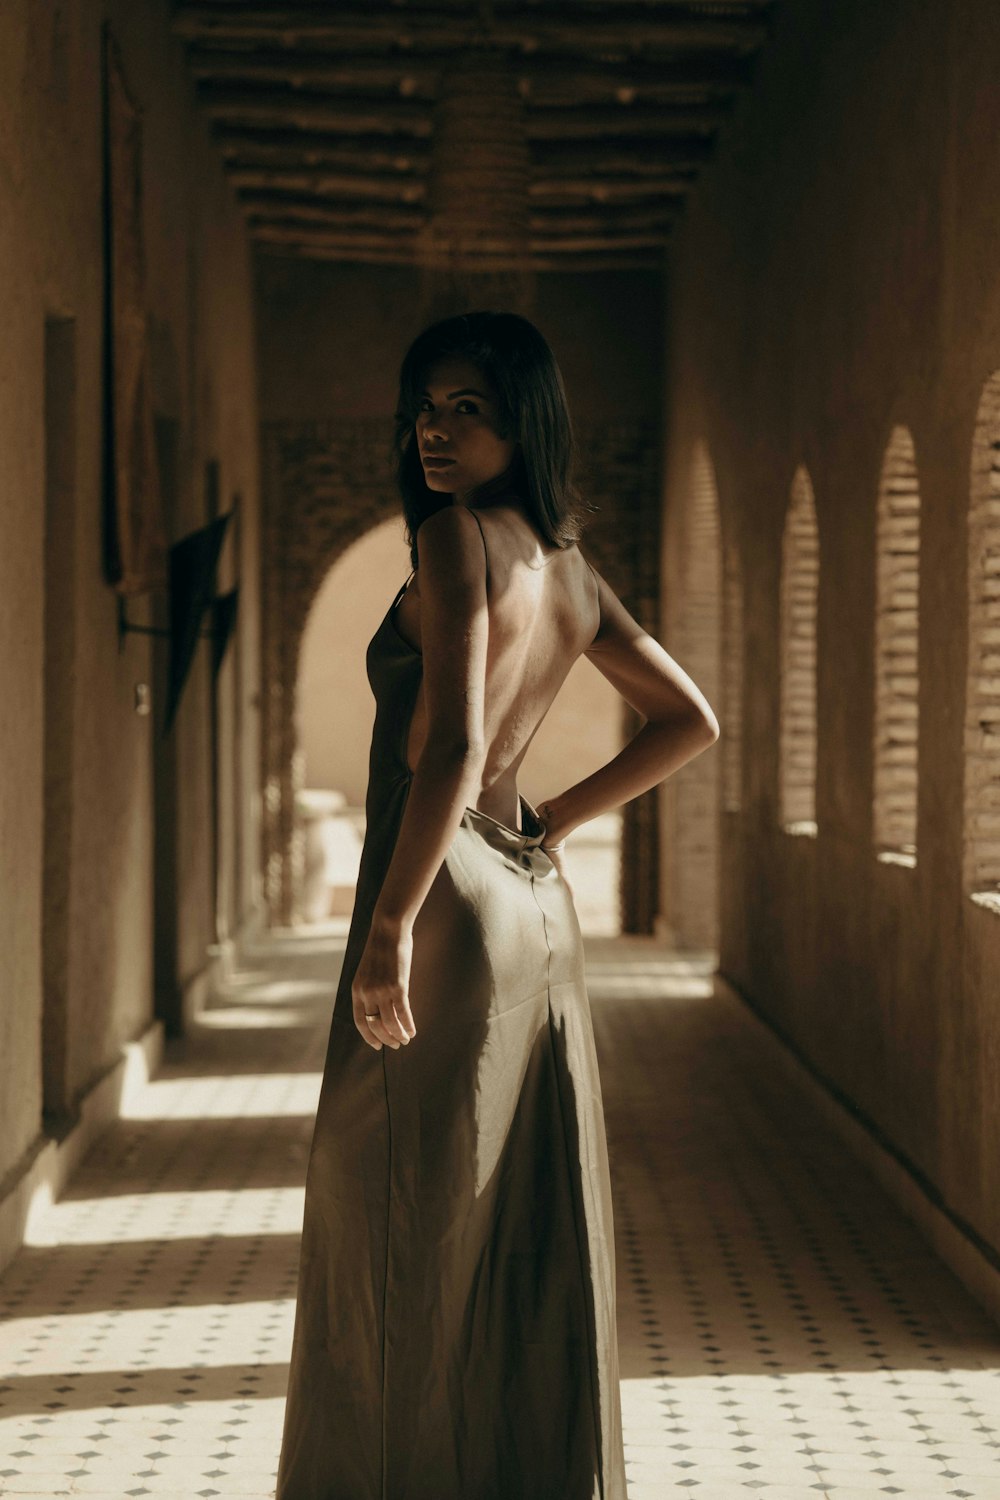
x=192 y=595
x=129 y=627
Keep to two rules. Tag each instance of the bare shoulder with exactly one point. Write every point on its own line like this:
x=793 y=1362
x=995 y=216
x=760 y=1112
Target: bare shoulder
x=450 y=537
x=636 y=664
x=450 y=552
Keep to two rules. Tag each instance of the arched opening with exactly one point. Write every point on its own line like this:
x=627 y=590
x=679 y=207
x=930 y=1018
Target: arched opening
x=982 y=720
x=895 y=748
x=335 y=712
x=799 y=601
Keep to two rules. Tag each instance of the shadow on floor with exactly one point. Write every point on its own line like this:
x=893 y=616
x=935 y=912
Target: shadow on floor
x=782 y=1327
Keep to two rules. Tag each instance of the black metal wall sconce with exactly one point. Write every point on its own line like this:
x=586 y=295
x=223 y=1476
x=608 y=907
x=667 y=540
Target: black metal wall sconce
x=192 y=567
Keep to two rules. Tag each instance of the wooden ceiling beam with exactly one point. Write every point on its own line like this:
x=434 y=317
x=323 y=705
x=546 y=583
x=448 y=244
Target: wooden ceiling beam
x=315 y=180
x=616 y=31
x=349 y=116
x=544 y=81
x=252 y=145
x=271 y=207
x=487 y=255
x=639 y=158
x=401 y=255
x=335 y=72
x=306 y=216
x=343 y=116
x=569 y=189
x=600 y=122
x=256 y=148
x=583 y=192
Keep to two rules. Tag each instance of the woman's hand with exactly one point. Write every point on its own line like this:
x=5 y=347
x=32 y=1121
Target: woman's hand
x=556 y=830
x=381 y=986
x=555 y=833
x=556 y=856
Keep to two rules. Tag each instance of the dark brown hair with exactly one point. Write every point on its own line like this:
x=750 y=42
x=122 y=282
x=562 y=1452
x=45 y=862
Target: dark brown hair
x=531 y=399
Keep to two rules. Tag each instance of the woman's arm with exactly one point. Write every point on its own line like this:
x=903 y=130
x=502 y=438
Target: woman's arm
x=679 y=724
x=454 y=632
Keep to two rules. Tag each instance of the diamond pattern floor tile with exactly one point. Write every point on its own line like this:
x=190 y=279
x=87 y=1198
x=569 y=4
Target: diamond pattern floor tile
x=783 y=1330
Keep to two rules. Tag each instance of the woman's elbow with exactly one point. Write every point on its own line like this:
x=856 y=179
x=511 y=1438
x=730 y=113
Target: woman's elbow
x=702 y=723
x=710 y=726
x=696 y=724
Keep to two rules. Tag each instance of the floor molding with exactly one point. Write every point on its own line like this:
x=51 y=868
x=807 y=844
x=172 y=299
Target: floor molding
x=48 y=1164
x=977 y=1274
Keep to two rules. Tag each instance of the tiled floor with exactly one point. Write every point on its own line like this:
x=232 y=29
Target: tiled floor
x=783 y=1330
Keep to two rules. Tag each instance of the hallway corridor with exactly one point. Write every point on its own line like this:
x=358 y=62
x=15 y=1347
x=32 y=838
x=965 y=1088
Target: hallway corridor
x=782 y=1328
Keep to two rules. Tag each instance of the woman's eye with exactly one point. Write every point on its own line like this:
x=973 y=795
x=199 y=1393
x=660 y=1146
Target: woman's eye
x=426 y=404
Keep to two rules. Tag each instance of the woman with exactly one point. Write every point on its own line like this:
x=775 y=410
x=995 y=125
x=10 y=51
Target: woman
x=455 y=1328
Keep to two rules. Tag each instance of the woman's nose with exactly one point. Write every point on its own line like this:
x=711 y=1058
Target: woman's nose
x=431 y=426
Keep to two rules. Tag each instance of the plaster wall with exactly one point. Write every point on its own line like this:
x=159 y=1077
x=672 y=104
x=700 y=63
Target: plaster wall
x=198 y=290
x=835 y=274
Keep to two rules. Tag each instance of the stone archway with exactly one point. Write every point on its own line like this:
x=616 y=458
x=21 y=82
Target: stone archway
x=325 y=484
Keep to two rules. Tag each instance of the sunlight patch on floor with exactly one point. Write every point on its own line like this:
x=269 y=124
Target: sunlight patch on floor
x=215 y=1097
x=784 y=1333
x=205 y=1214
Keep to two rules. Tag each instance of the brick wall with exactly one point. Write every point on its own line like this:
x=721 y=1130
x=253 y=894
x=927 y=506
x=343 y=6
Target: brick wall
x=800 y=572
x=897 y=542
x=982 y=726
x=833 y=279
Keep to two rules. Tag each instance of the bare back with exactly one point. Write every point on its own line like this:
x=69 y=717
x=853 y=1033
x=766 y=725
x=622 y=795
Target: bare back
x=544 y=612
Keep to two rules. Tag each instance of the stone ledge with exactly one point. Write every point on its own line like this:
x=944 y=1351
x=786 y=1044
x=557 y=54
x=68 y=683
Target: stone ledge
x=986 y=900
x=978 y=1269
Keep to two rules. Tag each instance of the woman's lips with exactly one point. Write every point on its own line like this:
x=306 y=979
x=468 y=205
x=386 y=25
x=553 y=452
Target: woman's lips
x=431 y=462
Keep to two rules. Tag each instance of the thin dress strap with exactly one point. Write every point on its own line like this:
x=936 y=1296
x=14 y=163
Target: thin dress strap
x=483 y=535
x=401 y=591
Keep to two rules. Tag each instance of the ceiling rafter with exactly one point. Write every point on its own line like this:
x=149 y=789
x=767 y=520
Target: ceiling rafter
x=348 y=115
x=625 y=29
x=260 y=149
x=251 y=145
x=270 y=207
x=592 y=188
x=543 y=80
x=488 y=255
x=324 y=114
x=405 y=255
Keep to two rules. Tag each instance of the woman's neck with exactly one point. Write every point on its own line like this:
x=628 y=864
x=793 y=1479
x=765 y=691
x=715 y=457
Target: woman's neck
x=496 y=491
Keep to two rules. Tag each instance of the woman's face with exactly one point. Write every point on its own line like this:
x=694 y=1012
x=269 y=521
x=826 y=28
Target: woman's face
x=457 y=420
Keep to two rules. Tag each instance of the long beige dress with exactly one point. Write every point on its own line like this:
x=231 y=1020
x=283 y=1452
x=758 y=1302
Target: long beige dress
x=455 y=1329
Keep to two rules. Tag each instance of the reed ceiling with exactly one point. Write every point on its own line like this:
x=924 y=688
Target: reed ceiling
x=325 y=113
